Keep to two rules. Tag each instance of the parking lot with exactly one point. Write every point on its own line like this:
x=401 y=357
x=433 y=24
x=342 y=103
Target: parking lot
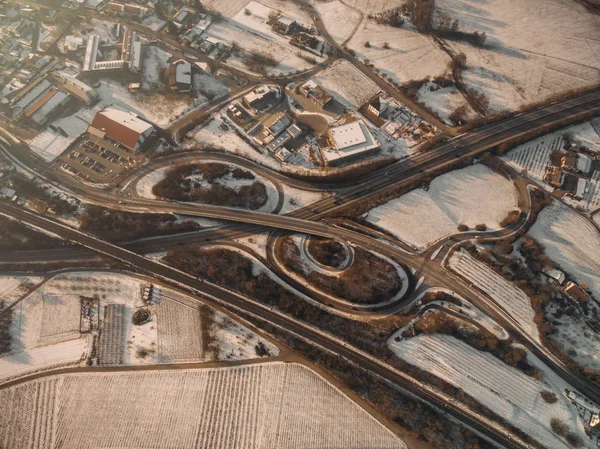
x=99 y=161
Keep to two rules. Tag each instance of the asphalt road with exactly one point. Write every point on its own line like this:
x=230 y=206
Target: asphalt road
x=316 y=337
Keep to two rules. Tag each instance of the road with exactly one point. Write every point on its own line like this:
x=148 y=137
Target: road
x=288 y=324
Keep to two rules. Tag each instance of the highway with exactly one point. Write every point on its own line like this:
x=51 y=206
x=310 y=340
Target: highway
x=288 y=324
x=309 y=220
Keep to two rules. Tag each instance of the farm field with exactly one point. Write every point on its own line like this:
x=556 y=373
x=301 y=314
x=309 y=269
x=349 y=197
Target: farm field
x=512 y=299
x=339 y=19
x=444 y=101
x=471 y=196
x=14 y=287
x=261 y=406
x=411 y=56
x=572 y=242
x=534 y=50
x=347 y=84
x=504 y=390
x=49 y=328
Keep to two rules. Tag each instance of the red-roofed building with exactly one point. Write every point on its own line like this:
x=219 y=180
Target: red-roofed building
x=124 y=127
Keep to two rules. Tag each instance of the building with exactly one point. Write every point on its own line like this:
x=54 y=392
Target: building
x=123 y=127
x=373 y=109
x=259 y=99
x=74 y=43
x=179 y=76
x=131 y=55
x=283 y=24
x=576 y=292
x=50 y=108
x=583 y=164
x=127 y=9
x=555 y=275
x=75 y=87
x=291 y=133
x=349 y=142
x=312 y=90
x=554 y=176
x=569 y=160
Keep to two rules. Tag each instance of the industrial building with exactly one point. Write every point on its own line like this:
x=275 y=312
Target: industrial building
x=350 y=142
x=131 y=55
x=123 y=127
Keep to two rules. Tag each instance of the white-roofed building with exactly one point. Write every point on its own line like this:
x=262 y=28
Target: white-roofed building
x=350 y=142
x=584 y=163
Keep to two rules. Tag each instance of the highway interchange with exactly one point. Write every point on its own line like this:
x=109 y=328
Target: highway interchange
x=313 y=220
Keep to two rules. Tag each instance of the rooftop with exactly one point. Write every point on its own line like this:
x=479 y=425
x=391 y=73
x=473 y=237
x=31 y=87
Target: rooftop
x=127 y=119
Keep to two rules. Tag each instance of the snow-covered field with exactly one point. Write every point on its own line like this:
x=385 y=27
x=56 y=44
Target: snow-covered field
x=159 y=108
x=298 y=198
x=471 y=196
x=273 y=405
x=512 y=299
x=347 y=84
x=411 y=56
x=533 y=49
x=444 y=101
x=250 y=30
x=234 y=342
x=504 y=390
x=339 y=19
x=572 y=242
x=156 y=60
x=532 y=158
x=46 y=330
x=14 y=287
x=578 y=339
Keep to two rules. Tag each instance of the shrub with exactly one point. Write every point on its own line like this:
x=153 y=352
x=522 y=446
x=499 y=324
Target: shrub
x=261 y=350
x=386 y=45
x=574 y=440
x=548 y=396
x=481 y=227
x=463 y=227
x=559 y=427
x=367 y=44
x=247 y=12
x=141 y=316
x=512 y=217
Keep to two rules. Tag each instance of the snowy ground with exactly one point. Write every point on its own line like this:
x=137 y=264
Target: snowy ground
x=444 y=101
x=347 y=84
x=251 y=32
x=298 y=198
x=505 y=390
x=339 y=19
x=411 y=56
x=156 y=60
x=533 y=49
x=46 y=330
x=235 y=342
x=580 y=341
x=264 y=406
x=472 y=195
x=572 y=242
x=532 y=158
x=159 y=108
x=512 y=299
x=14 y=287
